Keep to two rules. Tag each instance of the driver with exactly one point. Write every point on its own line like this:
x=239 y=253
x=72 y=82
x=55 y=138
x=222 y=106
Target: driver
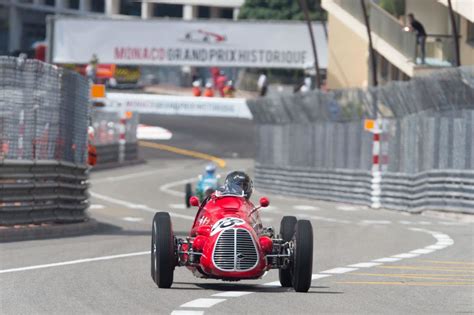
x=239 y=180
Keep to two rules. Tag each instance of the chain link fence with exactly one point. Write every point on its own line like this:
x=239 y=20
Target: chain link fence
x=427 y=131
x=44 y=112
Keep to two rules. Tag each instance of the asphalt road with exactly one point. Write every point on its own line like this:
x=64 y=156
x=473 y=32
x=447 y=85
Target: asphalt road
x=365 y=261
x=223 y=137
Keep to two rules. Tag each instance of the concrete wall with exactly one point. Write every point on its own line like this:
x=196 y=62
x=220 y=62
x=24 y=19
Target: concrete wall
x=433 y=15
x=466 y=49
x=348 y=57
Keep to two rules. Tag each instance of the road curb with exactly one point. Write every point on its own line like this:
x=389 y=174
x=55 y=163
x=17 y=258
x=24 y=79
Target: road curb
x=45 y=231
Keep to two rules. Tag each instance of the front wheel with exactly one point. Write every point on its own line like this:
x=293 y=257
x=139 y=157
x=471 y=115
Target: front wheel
x=287 y=230
x=162 y=250
x=302 y=256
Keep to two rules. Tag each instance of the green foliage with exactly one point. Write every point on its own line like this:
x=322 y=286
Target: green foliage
x=394 y=7
x=280 y=10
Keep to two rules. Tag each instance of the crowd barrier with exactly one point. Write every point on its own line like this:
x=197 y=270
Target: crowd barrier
x=114 y=136
x=44 y=115
x=419 y=156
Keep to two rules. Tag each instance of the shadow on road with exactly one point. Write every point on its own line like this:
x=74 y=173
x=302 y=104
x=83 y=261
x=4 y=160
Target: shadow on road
x=257 y=288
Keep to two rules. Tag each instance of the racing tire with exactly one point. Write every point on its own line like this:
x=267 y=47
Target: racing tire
x=287 y=230
x=302 y=256
x=188 y=192
x=162 y=250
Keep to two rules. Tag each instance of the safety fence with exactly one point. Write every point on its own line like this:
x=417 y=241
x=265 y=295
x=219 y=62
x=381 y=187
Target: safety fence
x=43 y=112
x=42 y=191
x=44 y=115
x=114 y=136
x=421 y=156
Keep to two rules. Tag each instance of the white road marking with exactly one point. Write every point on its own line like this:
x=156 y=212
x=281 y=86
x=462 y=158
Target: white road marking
x=435 y=247
x=177 y=206
x=145 y=132
x=422 y=251
x=375 y=222
x=267 y=220
x=232 y=293
x=339 y=270
x=74 y=262
x=273 y=284
x=202 y=303
x=96 y=206
x=347 y=208
x=386 y=259
x=125 y=177
x=131 y=205
x=365 y=265
x=132 y=219
x=452 y=223
x=406 y=222
x=406 y=255
x=166 y=188
x=187 y=312
x=319 y=276
x=305 y=208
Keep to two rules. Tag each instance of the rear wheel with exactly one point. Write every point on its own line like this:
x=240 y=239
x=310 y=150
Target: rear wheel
x=188 y=192
x=162 y=250
x=287 y=230
x=302 y=256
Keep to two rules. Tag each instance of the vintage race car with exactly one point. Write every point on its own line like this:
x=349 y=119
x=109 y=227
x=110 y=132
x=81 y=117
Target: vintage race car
x=227 y=241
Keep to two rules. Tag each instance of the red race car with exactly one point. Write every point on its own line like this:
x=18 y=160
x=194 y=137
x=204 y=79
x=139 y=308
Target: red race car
x=228 y=242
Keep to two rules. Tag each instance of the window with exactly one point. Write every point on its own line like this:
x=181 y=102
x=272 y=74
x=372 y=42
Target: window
x=168 y=10
x=470 y=33
x=4 y=11
x=74 y=4
x=98 y=6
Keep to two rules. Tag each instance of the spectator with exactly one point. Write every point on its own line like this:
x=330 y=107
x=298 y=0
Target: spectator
x=229 y=90
x=208 y=91
x=91 y=68
x=417 y=27
x=197 y=88
x=220 y=82
x=262 y=84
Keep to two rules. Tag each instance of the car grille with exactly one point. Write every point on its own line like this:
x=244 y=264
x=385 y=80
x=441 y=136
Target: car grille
x=235 y=251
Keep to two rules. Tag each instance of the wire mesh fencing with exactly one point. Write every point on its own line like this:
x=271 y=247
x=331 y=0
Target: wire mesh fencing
x=427 y=134
x=44 y=112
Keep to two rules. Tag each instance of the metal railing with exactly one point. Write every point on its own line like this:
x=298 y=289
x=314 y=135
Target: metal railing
x=42 y=192
x=391 y=30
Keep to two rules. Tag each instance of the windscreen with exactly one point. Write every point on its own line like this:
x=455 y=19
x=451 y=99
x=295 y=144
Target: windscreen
x=230 y=190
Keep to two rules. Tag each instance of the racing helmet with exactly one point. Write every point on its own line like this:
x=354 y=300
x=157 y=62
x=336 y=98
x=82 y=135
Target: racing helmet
x=242 y=180
x=210 y=169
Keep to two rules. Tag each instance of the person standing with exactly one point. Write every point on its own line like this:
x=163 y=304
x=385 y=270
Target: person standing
x=91 y=68
x=417 y=27
x=262 y=84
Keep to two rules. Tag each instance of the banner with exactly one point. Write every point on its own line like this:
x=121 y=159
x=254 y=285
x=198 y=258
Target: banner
x=192 y=43
x=178 y=105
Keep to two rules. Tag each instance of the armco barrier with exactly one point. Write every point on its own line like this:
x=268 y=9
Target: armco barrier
x=334 y=185
x=448 y=190
x=109 y=153
x=42 y=192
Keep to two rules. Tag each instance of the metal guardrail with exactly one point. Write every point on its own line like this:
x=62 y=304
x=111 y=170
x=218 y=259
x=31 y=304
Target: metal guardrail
x=42 y=192
x=109 y=153
x=448 y=190
x=335 y=185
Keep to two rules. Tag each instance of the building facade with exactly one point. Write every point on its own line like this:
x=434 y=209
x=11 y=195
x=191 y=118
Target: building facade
x=23 y=22
x=397 y=53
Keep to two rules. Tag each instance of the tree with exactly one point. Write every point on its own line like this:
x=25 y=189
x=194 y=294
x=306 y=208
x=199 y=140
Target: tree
x=280 y=10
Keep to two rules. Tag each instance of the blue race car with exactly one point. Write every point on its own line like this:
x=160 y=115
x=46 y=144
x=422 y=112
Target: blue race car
x=207 y=184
